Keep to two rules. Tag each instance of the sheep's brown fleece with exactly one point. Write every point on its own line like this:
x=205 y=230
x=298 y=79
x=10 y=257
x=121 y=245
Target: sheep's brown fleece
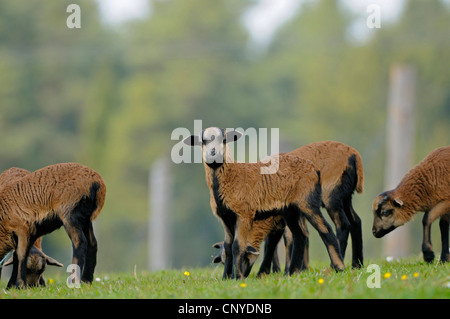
x=12 y=175
x=332 y=159
x=425 y=188
x=44 y=200
x=36 y=260
x=245 y=190
x=248 y=193
x=341 y=173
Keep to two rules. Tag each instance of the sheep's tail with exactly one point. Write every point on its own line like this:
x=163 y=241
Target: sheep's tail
x=359 y=173
x=97 y=196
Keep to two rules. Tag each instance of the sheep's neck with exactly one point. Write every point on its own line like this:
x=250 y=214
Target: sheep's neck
x=418 y=190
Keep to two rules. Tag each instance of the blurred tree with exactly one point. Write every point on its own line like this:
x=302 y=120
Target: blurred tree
x=44 y=72
x=181 y=64
x=43 y=68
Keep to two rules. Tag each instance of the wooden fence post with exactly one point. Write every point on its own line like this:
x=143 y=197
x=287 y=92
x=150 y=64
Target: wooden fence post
x=400 y=146
x=159 y=237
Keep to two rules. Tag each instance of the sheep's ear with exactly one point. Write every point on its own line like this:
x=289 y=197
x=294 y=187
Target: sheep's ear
x=232 y=136
x=192 y=140
x=217 y=259
x=252 y=251
x=52 y=262
x=218 y=245
x=398 y=202
x=8 y=262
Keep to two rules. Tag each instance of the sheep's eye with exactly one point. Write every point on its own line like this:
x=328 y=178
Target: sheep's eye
x=388 y=212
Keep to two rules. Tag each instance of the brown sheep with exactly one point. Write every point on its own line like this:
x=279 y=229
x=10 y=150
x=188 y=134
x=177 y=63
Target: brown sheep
x=341 y=173
x=425 y=188
x=37 y=260
x=67 y=194
x=294 y=189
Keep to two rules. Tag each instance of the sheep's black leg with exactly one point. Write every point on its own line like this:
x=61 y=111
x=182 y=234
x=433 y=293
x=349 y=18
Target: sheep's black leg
x=356 y=234
x=79 y=245
x=270 y=250
x=13 y=278
x=440 y=210
x=427 y=247
x=276 y=267
x=342 y=226
x=288 y=243
x=444 y=227
x=314 y=216
x=228 y=226
x=304 y=228
x=19 y=275
x=299 y=240
x=91 y=253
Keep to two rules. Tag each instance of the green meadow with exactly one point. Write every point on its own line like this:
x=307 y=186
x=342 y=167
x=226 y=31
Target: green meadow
x=405 y=279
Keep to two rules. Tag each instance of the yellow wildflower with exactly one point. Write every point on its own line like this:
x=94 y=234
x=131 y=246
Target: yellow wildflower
x=404 y=277
x=416 y=274
x=186 y=273
x=243 y=285
x=387 y=275
x=321 y=281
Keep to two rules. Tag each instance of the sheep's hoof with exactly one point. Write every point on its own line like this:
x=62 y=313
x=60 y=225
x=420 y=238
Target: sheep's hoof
x=445 y=258
x=428 y=256
x=357 y=264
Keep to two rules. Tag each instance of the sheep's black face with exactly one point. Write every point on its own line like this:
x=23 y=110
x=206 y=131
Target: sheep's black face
x=248 y=259
x=387 y=214
x=35 y=267
x=243 y=259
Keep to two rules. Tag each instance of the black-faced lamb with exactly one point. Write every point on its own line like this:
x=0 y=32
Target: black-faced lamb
x=245 y=194
x=67 y=194
x=425 y=188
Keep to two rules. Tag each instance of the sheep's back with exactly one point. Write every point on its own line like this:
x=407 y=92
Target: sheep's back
x=55 y=188
x=331 y=159
x=11 y=175
x=245 y=188
x=430 y=179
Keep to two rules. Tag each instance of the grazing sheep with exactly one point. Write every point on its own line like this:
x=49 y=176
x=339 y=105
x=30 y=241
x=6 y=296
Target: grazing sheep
x=241 y=190
x=37 y=260
x=276 y=229
x=36 y=263
x=275 y=226
x=67 y=194
x=425 y=188
x=341 y=174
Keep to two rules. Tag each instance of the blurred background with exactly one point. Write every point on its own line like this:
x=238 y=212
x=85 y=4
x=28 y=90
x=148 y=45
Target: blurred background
x=109 y=95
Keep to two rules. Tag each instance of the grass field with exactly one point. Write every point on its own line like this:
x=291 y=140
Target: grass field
x=409 y=278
